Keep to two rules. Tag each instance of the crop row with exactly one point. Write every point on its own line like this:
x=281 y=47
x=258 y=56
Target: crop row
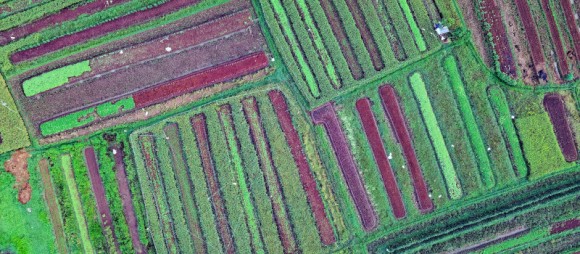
x=102 y=29
x=499 y=37
x=30 y=14
x=351 y=37
x=571 y=21
x=52 y=203
x=556 y=40
x=243 y=183
x=559 y=117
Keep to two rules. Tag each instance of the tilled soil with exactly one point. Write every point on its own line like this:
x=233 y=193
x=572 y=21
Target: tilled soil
x=17 y=165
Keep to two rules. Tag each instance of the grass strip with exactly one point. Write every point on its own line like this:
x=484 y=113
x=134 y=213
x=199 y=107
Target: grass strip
x=76 y=203
x=449 y=173
x=504 y=116
x=227 y=123
x=470 y=122
x=413 y=25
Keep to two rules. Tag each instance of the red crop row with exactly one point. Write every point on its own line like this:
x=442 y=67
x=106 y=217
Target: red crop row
x=338 y=30
x=571 y=21
x=492 y=16
x=162 y=46
x=199 y=125
x=398 y=124
x=367 y=118
x=100 y=30
x=67 y=14
x=366 y=34
x=126 y=200
x=326 y=116
x=531 y=34
x=556 y=39
x=270 y=173
x=99 y=192
x=308 y=183
x=199 y=80
x=555 y=106
x=564 y=226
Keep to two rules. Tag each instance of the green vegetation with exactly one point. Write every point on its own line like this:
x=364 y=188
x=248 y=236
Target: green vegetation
x=469 y=119
x=76 y=203
x=540 y=145
x=453 y=184
x=413 y=25
x=504 y=117
x=86 y=116
x=13 y=134
x=54 y=78
x=33 y=13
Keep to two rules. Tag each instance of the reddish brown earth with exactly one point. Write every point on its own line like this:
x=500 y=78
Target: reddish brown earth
x=274 y=188
x=564 y=226
x=126 y=200
x=492 y=16
x=556 y=40
x=308 y=183
x=369 y=123
x=100 y=197
x=366 y=34
x=17 y=165
x=399 y=126
x=559 y=117
x=202 y=79
x=126 y=81
x=325 y=115
x=52 y=203
x=175 y=42
x=199 y=125
x=102 y=29
x=342 y=39
x=60 y=17
x=571 y=21
x=185 y=185
x=531 y=34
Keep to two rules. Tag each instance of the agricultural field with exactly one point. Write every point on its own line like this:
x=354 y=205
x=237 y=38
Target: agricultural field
x=289 y=126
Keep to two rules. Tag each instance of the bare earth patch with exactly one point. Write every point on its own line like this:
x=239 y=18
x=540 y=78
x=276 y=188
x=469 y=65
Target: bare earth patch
x=17 y=165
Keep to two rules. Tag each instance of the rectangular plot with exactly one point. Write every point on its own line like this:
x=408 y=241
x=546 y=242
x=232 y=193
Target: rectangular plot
x=309 y=184
x=185 y=186
x=53 y=208
x=326 y=116
x=558 y=116
x=531 y=34
x=402 y=134
x=199 y=125
x=126 y=200
x=100 y=198
x=76 y=203
x=449 y=173
x=368 y=121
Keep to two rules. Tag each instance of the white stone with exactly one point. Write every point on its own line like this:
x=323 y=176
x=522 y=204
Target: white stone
x=390 y=156
x=489 y=149
x=168 y=49
x=452 y=145
x=29 y=209
x=121 y=52
x=146 y=113
x=114 y=151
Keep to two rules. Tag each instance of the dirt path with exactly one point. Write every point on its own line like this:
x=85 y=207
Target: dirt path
x=17 y=165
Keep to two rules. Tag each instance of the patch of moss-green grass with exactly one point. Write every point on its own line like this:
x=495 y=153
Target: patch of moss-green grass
x=54 y=78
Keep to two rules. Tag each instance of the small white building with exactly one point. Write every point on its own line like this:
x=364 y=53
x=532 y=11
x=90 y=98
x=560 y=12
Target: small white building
x=443 y=32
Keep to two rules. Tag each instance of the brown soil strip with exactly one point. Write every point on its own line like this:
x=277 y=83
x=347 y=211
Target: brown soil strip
x=270 y=173
x=17 y=165
x=531 y=34
x=500 y=238
x=340 y=33
x=492 y=15
x=554 y=104
x=476 y=26
x=560 y=227
x=185 y=185
x=308 y=182
x=153 y=34
x=126 y=200
x=131 y=79
x=52 y=203
x=366 y=34
x=556 y=40
x=154 y=110
x=199 y=125
x=67 y=14
x=102 y=29
x=100 y=197
x=571 y=21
